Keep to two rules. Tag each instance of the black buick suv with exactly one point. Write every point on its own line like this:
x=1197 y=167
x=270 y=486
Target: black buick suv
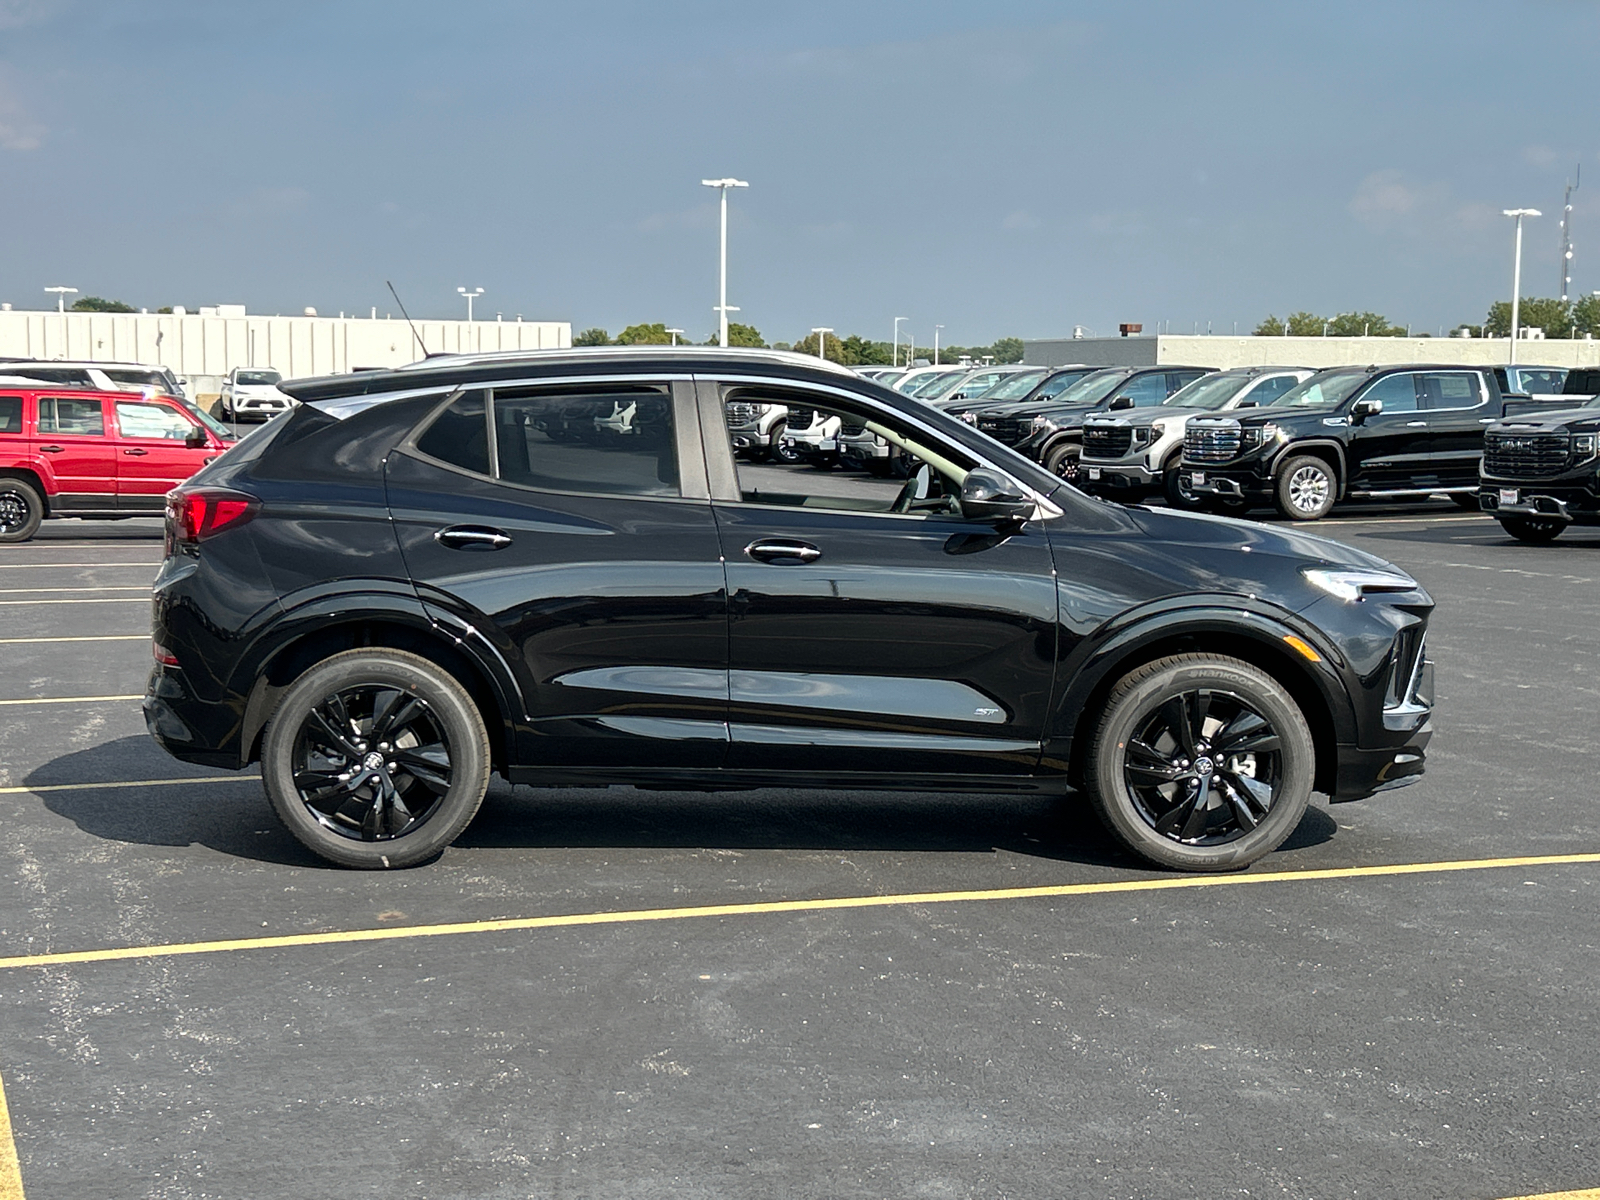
x=553 y=566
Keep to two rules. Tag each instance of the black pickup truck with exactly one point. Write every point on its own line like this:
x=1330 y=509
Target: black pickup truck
x=1350 y=433
x=1541 y=473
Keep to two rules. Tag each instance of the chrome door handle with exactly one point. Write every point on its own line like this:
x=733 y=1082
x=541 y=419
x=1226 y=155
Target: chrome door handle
x=461 y=537
x=1416 y=424
x=136 y=452
x=783 y=553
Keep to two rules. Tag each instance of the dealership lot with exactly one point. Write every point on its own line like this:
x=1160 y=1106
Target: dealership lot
x=1328 y=1035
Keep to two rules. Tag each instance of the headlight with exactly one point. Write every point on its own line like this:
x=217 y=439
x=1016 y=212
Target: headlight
x=1355 y=584
x=1271 y=431
x=1141 y=435
x=1157 y=429
x=1583 y=445
x=971 y=418
x=1041 y=421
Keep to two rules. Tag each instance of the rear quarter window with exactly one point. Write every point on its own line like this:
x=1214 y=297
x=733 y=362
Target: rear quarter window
x=10 y=414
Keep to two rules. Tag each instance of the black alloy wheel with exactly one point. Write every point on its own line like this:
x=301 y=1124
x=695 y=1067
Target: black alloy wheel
x=1202 y=763
x=21 y=510
x=1063 y=462
x=376 y=758
x=1536 y=531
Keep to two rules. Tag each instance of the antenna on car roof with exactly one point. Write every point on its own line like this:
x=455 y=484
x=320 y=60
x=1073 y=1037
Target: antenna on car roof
x=420 y=345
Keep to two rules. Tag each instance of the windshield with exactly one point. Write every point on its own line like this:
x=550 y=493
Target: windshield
x=1054 y=385
x=1211 y=393
x=942 y=386
x=140 y=379
x=1328 y=390
x=1092 y=389
x=923 y=384
x=206 y=419
x=259 y=378
x=1015 y=386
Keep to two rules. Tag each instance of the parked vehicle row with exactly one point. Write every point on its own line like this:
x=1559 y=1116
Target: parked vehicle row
x=421 y=575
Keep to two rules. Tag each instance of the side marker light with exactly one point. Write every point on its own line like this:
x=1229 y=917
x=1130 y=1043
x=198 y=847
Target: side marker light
x=1305 y=650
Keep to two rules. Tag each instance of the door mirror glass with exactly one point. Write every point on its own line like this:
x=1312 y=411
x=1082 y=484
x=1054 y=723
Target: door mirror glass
x=1120 y=403
x=990 y=496
x=1364 y=408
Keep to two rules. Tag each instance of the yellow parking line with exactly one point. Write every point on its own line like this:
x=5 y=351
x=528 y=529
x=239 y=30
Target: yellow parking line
x=71 y=699
x=10 y=1168
x=1580 y=1194
x=98 y=637
x=1162 y=884
x=135 y=783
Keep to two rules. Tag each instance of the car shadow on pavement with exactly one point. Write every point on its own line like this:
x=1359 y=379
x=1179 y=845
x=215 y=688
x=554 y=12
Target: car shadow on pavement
x=234 y=817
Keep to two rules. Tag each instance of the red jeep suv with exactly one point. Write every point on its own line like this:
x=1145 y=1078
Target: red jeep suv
x=69 y=452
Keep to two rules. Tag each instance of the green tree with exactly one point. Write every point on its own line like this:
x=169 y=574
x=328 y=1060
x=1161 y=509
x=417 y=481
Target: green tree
x=592 y=337
x=859 y=352
x=1271 y=327
x=1305 y=324
x=741 y=335
x=1554 y=316
x=645 y=335
x=1586 y=316
x=832 y=347
x=99 y=304
x=1007 y=350
x=1363 y=324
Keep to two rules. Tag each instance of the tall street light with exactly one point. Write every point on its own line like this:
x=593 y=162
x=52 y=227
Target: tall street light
x=722 y=185
x=675 y=334
x=936 y=329
x=472 y=295
x=61 y=296
x=822 y=332
x=1516 y=273
x=897 y=321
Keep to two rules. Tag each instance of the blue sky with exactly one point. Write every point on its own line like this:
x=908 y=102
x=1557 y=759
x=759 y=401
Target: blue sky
x=997 y=168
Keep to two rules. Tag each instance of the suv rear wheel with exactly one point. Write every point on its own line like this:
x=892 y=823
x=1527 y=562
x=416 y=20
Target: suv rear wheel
x=1201 y=762
x=21 y=510
x=376 y=759
x=1305 y=489
x=1535 y=531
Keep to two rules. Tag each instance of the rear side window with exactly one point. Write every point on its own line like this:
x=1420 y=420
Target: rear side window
x=614 y=439
x=1450 y=389
x=460 y=436
x=64 y=415
x=10 y=414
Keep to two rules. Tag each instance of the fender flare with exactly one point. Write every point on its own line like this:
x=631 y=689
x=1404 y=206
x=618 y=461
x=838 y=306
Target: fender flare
x=1293 y=448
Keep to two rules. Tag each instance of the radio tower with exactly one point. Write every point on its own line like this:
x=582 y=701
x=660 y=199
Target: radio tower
x=1566 y=234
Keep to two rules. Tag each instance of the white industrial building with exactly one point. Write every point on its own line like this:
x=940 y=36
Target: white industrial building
x=1224 y=351
x=203 y=347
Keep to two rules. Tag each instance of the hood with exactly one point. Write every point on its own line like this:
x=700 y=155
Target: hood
x=1145 y=416
x=1585 y=419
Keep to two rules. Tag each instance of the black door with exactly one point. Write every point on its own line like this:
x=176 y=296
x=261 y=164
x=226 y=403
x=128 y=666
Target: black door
x=868 y=640
x=1457 y=410
x=1389 y=450
x=557 y=523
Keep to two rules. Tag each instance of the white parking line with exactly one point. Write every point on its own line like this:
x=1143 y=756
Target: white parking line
x=1396 y=520
x=95 y=566
x=144 y=599
x=131 y=783
x=90 y=587
x=71 y=699
x=98 y=637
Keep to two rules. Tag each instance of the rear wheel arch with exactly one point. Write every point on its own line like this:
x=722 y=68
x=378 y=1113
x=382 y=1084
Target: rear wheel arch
x=1089 y=695
x=299 y=654
x=30 y=477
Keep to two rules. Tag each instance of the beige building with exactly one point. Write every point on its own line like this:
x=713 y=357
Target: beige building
x=1223 y=352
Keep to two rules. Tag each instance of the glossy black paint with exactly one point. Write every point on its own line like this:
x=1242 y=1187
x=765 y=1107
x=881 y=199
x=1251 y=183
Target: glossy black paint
x=1565 y=488
x=634 y=638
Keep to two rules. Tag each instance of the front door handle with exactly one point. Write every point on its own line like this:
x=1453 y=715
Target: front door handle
x=781 y=552
x=1487 y=420
x=1416 y=424
x=51 y=449
x=136 y=453
x=472 y=537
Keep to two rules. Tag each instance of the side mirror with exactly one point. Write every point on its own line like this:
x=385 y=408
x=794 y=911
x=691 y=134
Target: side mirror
x=990 y=496
x=1120 y=403
x=1362 y=409
x=195 y=439
x=1247 y=403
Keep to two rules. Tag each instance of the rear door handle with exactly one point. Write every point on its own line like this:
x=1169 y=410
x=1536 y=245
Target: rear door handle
x=473 y=537
x=781 y=552
x=136 y=453
x=51 y=449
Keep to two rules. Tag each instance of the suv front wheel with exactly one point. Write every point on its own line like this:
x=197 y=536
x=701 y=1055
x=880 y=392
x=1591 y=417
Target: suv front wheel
x=1536 y=531
x=1305 y=489
x=1201 y=762
x=376 y=759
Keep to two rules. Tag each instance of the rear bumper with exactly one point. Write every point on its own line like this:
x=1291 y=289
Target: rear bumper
x=188 y=729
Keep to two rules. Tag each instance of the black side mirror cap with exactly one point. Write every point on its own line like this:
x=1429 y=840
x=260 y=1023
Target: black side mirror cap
x=1249 y=404
x=1362 y=409
x=195 y=439
x=990 y=496
x=1120 y=403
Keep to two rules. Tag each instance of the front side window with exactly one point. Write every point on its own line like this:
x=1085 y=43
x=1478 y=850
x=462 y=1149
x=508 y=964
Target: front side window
x=10 y=414
x=71 y=416
x=1449 y=389
x=152 y=421
x=891 y=466
x=1058 y=383
x=1398 y=393
x=1145 y=390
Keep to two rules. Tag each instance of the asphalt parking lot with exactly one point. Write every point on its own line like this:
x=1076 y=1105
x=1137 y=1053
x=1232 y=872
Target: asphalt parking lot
x=1001 y=1004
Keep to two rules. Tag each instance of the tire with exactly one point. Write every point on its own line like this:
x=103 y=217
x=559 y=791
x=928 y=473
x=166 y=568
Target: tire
x=1179 y=496
x=443 y=757
x=1535 y=531
x=21 y=510
x=1062 y=462
x=1305 y=488
x=780 y=452
x=1236 y=704
x=1466 y=500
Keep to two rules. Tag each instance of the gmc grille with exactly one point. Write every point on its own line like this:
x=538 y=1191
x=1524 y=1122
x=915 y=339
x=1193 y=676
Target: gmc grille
x=801 y=418
x=1526 y=455
x=1210 y=443
x=1106 y=441
x=852 y=428
x=742 y=414
x=1009 y=430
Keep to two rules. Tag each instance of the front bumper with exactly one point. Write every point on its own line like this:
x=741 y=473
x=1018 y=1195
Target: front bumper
x=864 y=447
x=1120 y=474
x=749 y=437
x=1229 y=481
x=1572 y=501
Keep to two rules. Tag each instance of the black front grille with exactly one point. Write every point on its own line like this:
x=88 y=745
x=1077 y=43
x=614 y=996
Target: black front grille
x=1210 y=443
x=742 y=414
x=801 y=418
x=852 y=428
x=1009 y=430
x=1106 y=441
x=1526 y=455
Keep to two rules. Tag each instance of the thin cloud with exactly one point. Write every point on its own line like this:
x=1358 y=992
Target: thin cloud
x=18 y=130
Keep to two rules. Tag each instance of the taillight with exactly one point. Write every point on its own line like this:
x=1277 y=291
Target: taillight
x=194 y=515
x=162 y=655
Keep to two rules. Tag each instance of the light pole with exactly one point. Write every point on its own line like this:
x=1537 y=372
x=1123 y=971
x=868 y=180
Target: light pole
x=822 y=332
x=1516 y=273
x=936 y=329
x=61 y=296
x=674 y=333
x=722 y=185
x=472 y=295
x=897 y=321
